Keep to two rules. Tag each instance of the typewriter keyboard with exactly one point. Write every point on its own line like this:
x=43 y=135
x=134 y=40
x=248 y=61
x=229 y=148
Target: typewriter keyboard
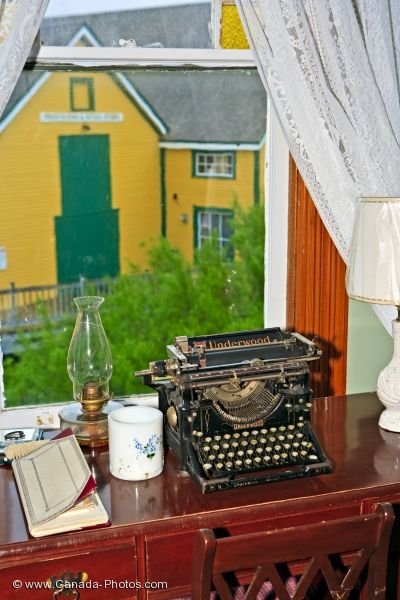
x=248 y=450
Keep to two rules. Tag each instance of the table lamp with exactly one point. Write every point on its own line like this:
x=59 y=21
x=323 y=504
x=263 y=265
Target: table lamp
x=373 y=275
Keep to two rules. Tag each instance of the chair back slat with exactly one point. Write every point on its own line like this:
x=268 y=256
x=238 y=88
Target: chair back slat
x=348 y=553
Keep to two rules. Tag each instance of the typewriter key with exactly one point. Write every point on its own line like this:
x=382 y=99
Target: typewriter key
x=284 y=456
x=294 y=455
x=238 y=464
x=249 y=452
x=229 y=465
x=253 y=442
x=254 y=432
x=295 y=445
x=206 y=449
x=276 y=458
x=230 y=455
x=277 y=447
x=257 y=461
x=259 y=451
x=286 y=447
x=217 y=438
x=282 y=428
x=244 y=443
x=227 y=436
x=235 y=445
x=273 y=430
x=313 y=457
x=245 y=434
x=208 y=440
x=225 y=447
x=281 y=438
x=264 y=432
x=211 y=458
x=262 y=441
x=272 y=439
x=220 y=456
x=207 y=467
x=219 y=466
x=290 y=437
x=236 y=435
x=215 y=447
x=267 y=459
x=303 y=454
x=268 y=449
x=240 y=454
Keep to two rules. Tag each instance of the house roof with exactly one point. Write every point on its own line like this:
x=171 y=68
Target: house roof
x=184 y=26
x=224 y=106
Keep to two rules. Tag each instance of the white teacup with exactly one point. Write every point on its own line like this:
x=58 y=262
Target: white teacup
x=136 y=442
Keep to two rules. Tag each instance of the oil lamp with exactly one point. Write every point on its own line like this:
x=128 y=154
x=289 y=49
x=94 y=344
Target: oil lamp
x=89 y=366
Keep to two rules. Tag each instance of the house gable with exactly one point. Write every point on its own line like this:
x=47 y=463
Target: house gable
x=31 y=84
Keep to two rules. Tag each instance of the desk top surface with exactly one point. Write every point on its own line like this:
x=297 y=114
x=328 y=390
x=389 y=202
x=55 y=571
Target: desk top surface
x=366 y=465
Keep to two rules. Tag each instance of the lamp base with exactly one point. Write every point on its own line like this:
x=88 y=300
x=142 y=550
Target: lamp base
x=93 y=431
x=388 y=386
x=390 y=420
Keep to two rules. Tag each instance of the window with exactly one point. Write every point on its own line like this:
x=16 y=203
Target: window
x=82 y=94
x=213 y=224
x=214 y=164
x=127 y=168
x=3 y=259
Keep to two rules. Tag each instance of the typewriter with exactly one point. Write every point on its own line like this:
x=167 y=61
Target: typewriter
x=237 y=407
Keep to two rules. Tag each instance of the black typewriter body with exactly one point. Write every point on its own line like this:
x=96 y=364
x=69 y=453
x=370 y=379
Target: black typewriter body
x=237 y=407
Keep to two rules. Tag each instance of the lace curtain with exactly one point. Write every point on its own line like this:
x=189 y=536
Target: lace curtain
x=332 y=69
x=19 y=24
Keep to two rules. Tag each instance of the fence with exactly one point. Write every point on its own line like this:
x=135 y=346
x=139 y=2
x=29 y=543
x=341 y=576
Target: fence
x=22 y=308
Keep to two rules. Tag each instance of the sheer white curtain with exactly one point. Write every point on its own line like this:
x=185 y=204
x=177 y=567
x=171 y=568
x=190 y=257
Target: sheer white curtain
x=19 y=24
x=332 y=70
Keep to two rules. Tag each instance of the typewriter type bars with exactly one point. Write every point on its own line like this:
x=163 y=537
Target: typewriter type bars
x=238 y=407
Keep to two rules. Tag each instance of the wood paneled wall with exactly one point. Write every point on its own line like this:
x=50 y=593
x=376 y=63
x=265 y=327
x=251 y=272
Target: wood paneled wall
x=317 y=303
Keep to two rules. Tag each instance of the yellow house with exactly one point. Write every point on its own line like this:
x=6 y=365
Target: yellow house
x=93 y=166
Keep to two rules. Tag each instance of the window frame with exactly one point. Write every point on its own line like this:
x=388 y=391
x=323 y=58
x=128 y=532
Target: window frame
x=89 y=83
x=197 y=154
x=209 y=210
x=276 y=178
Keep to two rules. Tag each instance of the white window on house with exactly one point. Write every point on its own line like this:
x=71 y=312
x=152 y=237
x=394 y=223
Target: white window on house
x=3 y=259
x=213 y=224
x=214 y=164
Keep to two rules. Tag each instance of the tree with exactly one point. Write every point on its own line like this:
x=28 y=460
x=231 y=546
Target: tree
x=145 y=311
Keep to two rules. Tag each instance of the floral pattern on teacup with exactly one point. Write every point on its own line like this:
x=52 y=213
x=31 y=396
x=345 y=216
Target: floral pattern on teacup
x=148 y=449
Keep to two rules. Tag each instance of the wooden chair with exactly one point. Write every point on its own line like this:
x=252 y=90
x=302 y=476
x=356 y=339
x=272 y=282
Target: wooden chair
x=343 y=555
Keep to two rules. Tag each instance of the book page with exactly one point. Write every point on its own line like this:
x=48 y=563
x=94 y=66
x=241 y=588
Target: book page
x=51 y=478
x=86 y=513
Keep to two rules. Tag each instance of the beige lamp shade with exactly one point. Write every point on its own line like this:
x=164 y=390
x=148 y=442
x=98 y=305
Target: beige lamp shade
x=373 y=273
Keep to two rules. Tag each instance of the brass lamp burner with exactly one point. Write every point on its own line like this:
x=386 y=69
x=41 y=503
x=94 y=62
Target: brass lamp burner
x=93 y=398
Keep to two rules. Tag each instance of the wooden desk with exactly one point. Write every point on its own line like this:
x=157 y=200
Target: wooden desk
x=149 y=542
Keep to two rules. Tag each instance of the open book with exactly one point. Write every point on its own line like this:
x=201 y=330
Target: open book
x=57 y=490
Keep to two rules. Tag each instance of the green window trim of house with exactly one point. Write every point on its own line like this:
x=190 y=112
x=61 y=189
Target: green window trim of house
x=219 y=164
x=217 y=221
x=87 y=84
